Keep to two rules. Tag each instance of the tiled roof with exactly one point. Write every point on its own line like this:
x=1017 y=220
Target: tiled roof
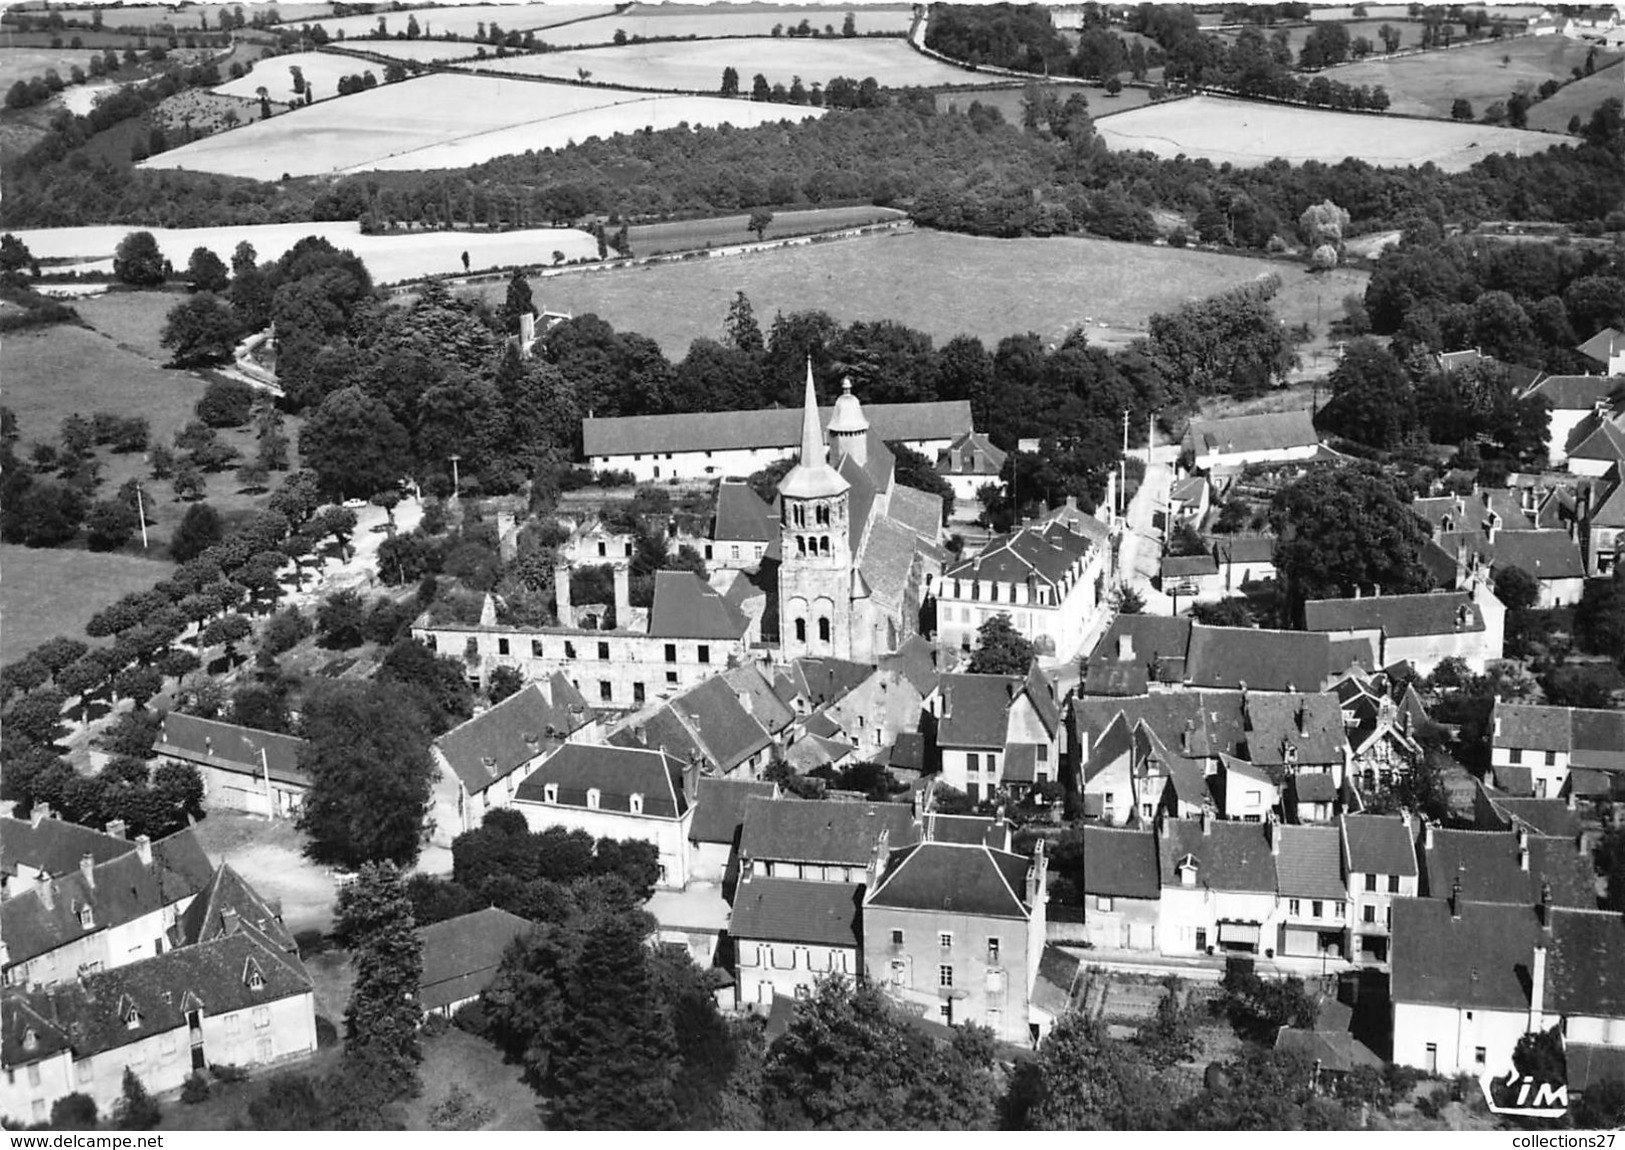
x=1610 y=503
x=1262 y=660
x=495 y=743
x=975 y=710
x=769 y=710
x=1378 y=844
x=907 y=753
x=741 y=514
x=1530 y=727
x=27 y=1033
x=917 y=511
x=1115 y=679
x=1120 y=863
x=1056 y=982
x=1599 y=739
x=1479 y=959
x=1575 y=392
x=971 y=454
x=967 y=830
x=1310 y=863
x=1432 y=613
x=1077 y=520
x=663 y=730
x=824 y=681
x=1332 y=1051
x=55 y=845
x=844 y=834
x=1541 y=816
x=1150 y=637
x=719 y=807
x=461 y=955
x=1545 y=554
x=1487 y=864
x=769 y=428
x=1212 y=720
x=729 y=733
x=1273 y=431
x=1585 y=963
x=1310 y=724
x=209 y=742
x=687 y=607
x=1189 y=489
x=1230 y=856
x=225 y=900
x=1588 y=1064
x=916 y=661
x=793 y=910
x=1244 y=548
x=1021 y=762
x=1047 y=553
x=1188 y=566
x=1314 y=787
x=616 y=772
x=958 y=879
x=1607 y=442
x=887 y=562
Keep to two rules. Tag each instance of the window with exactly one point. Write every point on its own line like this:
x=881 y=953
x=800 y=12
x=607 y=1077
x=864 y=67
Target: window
x=33 y=1075
x=637 y=693
x=550 y=793
x=569 y=649
x=1293 y=907
x=1316 y=908
x=1480 y=1055
x=1515 y=755
x=1104 y=902
x=1393 y=884
x=1254 y=798
x=603 y=649
x=945 y=940
x=704 y=651
x=262 y=1049
x=823 y=629
x=735 y=550
x=671 y=678
x=603 y=549
x=945 y=976
x=637 y=804
x=1043 y=753
x=801 y=630
x=535 y=648
x=1551 y=758
x=1368 y=914
x=1370 y=882
x=87 y=917
x=593 y=795
x=993 y=950
x=671 y=652
x=973 y=763
x=262 y=1017
x=897 y=938
x=502 y=646
x=1339 y=906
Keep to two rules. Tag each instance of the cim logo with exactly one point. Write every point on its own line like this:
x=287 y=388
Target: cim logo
x=1520 y=1094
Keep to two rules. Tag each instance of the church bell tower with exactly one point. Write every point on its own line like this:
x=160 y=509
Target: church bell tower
x=815 y=571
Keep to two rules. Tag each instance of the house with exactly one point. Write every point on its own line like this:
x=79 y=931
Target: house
x=1379 y=864
x=242 y=769
x=744 y=530
x=1601 y=516
x=1246 y=791
x=481 y=762
x=230 y=991
x=1289 y=734
x=595 y=542
x=1546 y=752
x=1189 y=499
x=1475 y=536
x=719 y=813
x=1121 y=888
x=1511 y=866
x=822 y=841
x=884 y=706
x=1598 y=441
x=1218 y=886
x=1495 y=810
x=710 y=723
x=1380 y=729
x=1311 y=798
x=100 y=915
x=956 y=933
x=699 y=445
x=1255 y=659
x=41 y=844
x=1607 y=349
x=1573 y=398
x=1194 y=578
x=996 y=731
x=788 y=933
x=1309 y=881
x=1421 y=629
x=967 y=464
x=617 y=793
x=1275 y=437
x=461 y=956
x=1049 y=581
x=1243 y=560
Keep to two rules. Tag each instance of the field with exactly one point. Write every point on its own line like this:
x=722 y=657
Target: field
x=724 y=231
x=1011 y=100
x=25 y=63
x=711 y=21
x=154 y=15
x=322 y=70
x=1410 y=32
x=691 y=66
x=463 y=20
x=1427 y=84
x=938 y=283
x=389 y=257
x=1577 y=99
x=1247 y=135
x=423 y=51
x=48 y=592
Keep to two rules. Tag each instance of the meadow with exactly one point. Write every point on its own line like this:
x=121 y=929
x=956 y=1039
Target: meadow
x=710 y=21
x=1579 y=98
x=321 y=70
x=1249 y=134
x=192 y=16
x=1011 y=100
x=939 y=283
x=1410 y=32
x=726 y=231
x=51 y=591
x=1427 y=84
x=464 y=20
x=26 y=63
x=697 y=66
x=418 y=51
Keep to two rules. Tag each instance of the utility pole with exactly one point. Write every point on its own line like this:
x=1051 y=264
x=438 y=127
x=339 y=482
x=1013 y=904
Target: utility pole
x=141 y=514
x=1122 y=470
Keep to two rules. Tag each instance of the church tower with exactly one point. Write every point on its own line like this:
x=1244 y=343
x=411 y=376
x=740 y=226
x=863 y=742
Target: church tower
x=849 y=427
x=815 y=572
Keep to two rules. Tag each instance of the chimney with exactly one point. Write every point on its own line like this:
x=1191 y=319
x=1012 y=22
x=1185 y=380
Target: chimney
x=877 y=858
x=208 y=745
x=561 y=595
x=143 y=847
x=1580 y=845
x=1546 y=907
x=947 y=702
x=1497 y=724
x=1207 y=821
x=87 y=867
x=1125 y=647
x=1357 y=591
x=47 y=890
x=116 y=828
x=1537 y=986
x=1455 y=897
x=1303 y=718
x=1185 y=736
x=228 y=920
x=1272 y=829
x=1491 y=526
x=39 y=813
x=1376 y=590
x=1037 y=876
x=623 y=595
x=642 y=734
x=1523 y=855
x=1427 y=836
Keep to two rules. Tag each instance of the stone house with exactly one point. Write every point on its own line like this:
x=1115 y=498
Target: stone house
x=242 y=769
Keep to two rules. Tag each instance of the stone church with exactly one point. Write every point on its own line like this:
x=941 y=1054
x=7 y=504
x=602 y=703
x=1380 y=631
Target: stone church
x=860 y=552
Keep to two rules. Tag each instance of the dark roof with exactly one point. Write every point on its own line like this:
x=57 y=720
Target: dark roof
x=1585 y=963
x=970 y=454
x=1057 y=980
x=209 y=742
x=121 y=890
x=1120 y=863
x=1310 y=864
x=1310 y=724
x=1589 y=1065
x=1575 y=392
x=1546 y=554
x=687 y=607
x=55 y=845
x=769 y=710
x=1433 y=613
x=1262 y=660
x=793 y=910
x=1529 y=727
x=27 y=1033
x=1115 y=679
x=1378 y=844
x=907 y=753
x=1243 y=548
x=772 y=427
x=826 y=680
x=728 y=732
x=1334 y=1052
x=663 y=730
x=719 y=807
x=1272 y=431
x=226 y=900
x=793 y=830
x=1598 y=739
x=975 y=710
x=495 y=743
x=1230 y=856
x=1213 y=720
x=617 y=772
x=961 y=879
x=966 y=830
x=741 y=514
x=1607 y=442
x=1150 y=637
x=1188 y=566
x=1314 y=787
x=1542 y=816
x=461 y=955
x=1487 y=863
x=916 y=661
x=917 y=511
x=1189 y=489
x=1480 y=958
x=1048 y=552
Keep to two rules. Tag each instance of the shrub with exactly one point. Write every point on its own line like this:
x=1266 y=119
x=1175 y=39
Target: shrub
x=459 y=1110
x=196 y=1088
x=74 y=1112
x=434 y=1026
x=226 y=403
x=470 y=1017
x=229 y=1072
x=135 y=1109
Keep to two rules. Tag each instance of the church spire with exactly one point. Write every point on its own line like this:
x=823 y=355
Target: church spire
x=812 y=477
x=812 y=436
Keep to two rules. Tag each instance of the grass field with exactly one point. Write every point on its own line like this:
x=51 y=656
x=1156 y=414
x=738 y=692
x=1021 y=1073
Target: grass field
x=133 y=319
x=724 y=231
x=48 y=592
x=1248 y=134
x=1410 y=33
x=153 y=15
x=463 y=20
x=1579 y=98
x=322 y=70
x=423 y=51
x=1426 y=85
x=691 y=66
x=939 y=283
x=1010 y=101
x=25 y=63
x=709 y=21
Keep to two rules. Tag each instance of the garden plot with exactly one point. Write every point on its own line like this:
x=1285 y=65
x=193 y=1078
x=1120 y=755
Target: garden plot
x=1250 y=134
x=463 y=20
x=365 y=130
x=697 y=66
x=632 y=115
x=321 y=70
x=713 y=21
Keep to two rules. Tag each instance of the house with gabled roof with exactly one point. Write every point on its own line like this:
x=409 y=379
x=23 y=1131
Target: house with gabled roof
x=1218 y=886
x=1423 y=629
x=1510 y=865
x=1381 y=730
x=969 y=463
x=1245 y=791
x=242 y=769
x=43 y=844
x=1273 y=437
x=618 y=793
x=1607 y=350
x=1309 y=880
x=713 y=724
x=996 y=732
x=788 y=933
x=1379 y=865
x=1547 y=752
x=719 y=815
x=461 y=956
x=1572 y=399
x=481 y=762
x=744 y=530
x=1495 y=810
x=956 y=933
x=1601 y=521
x=824 y=841
x=1122 y=890
x=885 y=705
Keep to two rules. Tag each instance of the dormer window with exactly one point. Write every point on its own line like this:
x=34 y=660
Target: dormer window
x=128 y=1013
x=30 y=1039
x=253 y=976
x=550 y=793
x=637 y=804
x=592 y=798
x=87 y=916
